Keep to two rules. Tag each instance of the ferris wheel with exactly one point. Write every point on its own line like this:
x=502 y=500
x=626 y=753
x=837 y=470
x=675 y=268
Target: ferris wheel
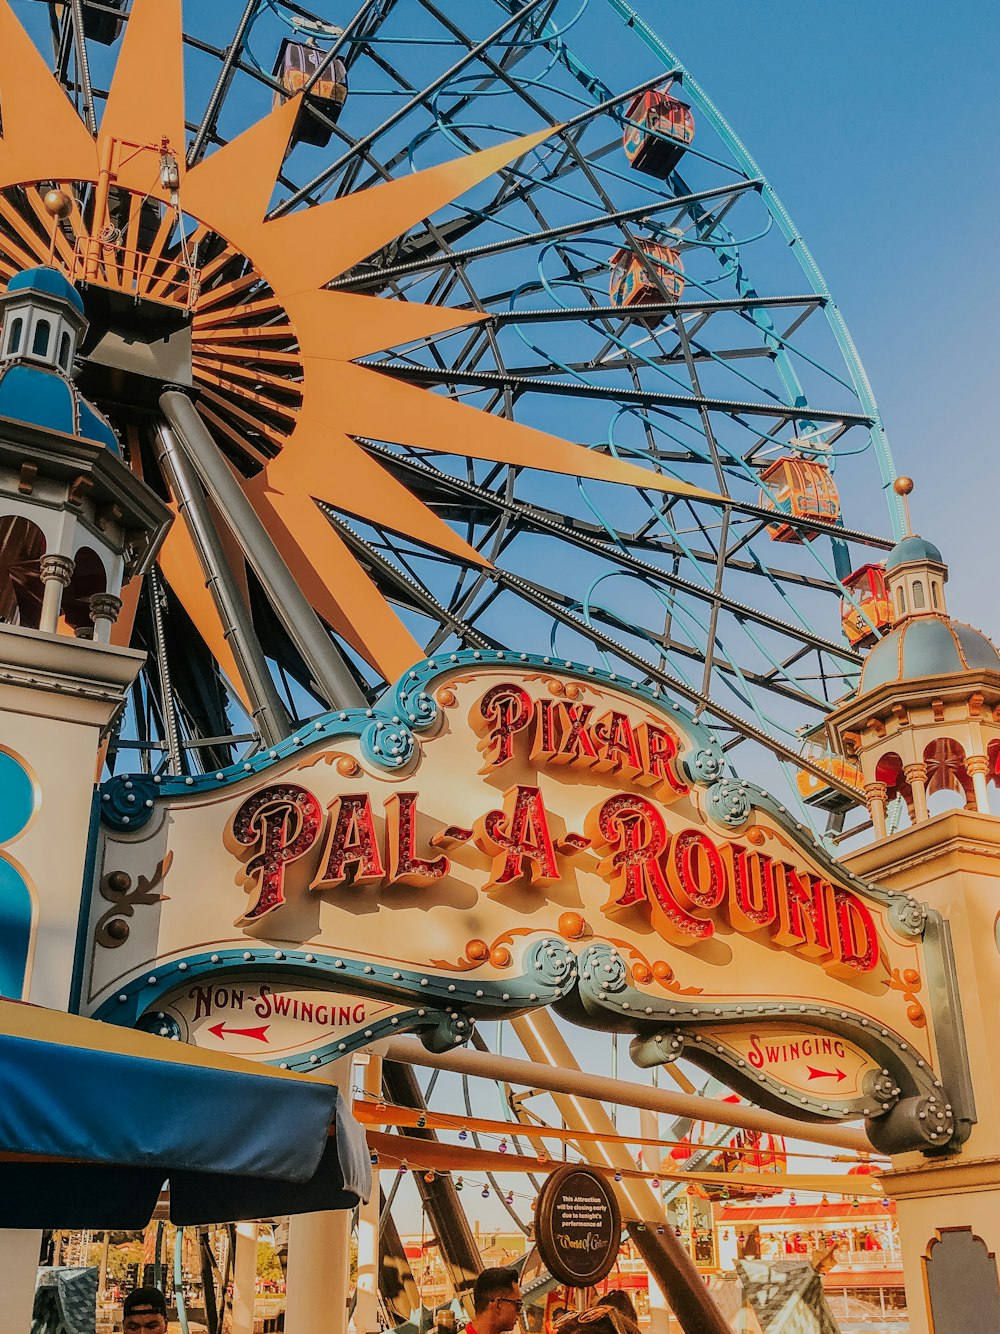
x=445 y=325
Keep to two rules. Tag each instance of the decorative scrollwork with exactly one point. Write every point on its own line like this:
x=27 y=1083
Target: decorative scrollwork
x=703 y=766
x=660 y=1049
x=907 y=916
x=112 y=929
x=127 y=802
x=445 y=1032
x=880 y=1084
x=909 y=983
x=414 y=703
x=552 y=962
x=387 y=744
x=160 y=1024
x=728 y=802
x=604 y=967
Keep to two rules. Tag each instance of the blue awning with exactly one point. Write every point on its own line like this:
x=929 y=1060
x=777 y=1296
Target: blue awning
x=94 y=1119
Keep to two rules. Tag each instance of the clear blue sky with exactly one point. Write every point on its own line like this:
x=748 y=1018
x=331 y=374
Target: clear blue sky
x=875 y=122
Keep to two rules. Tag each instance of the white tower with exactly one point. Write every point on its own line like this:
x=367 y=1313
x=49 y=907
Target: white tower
x=75 y=525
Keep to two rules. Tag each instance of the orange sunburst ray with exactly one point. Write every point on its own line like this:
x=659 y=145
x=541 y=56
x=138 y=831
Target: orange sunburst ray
x=303 y=250
x=359 y=485
x=367 y=403
x=39 y=122
x=348 y=325
x=317 y=244
x=146 y=100
x=332 y=579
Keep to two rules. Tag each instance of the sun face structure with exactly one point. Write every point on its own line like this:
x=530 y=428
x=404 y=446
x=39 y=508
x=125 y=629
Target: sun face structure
x=189 y=261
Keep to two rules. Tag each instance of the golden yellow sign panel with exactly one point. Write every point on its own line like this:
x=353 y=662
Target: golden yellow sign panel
x=506 y=833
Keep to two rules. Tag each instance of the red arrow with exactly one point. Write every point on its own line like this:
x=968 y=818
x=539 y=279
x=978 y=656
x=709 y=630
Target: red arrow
x=826 y=1074
x=222 y=1032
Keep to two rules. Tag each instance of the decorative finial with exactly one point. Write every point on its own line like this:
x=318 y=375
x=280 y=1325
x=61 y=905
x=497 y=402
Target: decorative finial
x=903 y=486
x=58 y=205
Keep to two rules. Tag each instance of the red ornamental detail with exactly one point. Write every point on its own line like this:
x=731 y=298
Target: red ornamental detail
x=687 y=875
x=283 y=823
x=352 y=846
x=405 y=867
x=503 y=711
x=635 y=832
x=518 y=839
x=619 y=744
x=753 y=903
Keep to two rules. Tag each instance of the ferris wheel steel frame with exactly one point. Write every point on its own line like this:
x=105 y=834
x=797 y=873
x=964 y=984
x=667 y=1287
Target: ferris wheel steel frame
x=501 y=513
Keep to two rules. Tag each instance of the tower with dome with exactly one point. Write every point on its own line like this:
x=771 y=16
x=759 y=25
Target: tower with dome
x=76 y=528
x=923 y=726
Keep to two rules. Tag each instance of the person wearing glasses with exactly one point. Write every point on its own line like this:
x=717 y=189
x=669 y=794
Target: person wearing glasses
x=496 y=1297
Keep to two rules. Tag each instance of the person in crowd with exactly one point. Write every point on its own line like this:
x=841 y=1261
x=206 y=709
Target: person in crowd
x=496 y=1298
x=145 y=1312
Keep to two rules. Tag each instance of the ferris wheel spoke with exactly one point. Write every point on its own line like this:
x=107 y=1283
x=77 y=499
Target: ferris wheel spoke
x=329 y=173
x=639 y=213
x=534 y=384
x=531 y=517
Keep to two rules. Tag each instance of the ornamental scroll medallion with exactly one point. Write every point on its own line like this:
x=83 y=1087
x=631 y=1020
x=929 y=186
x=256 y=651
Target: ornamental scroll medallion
x=504 y=833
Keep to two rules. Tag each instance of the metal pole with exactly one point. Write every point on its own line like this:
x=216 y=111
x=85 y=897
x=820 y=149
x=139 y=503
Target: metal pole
x=268 y=711
x=366 y=1319
x=671 y=1268
x=330 y=672
x=163 y=671
x=535 y=1074
x=244 y=1278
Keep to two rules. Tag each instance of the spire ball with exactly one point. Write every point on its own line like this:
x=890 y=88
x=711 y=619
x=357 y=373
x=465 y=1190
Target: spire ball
x=903 y=486
x=58 y=204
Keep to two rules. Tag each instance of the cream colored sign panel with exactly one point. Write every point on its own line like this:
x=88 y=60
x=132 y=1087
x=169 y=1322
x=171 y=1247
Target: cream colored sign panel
x=503 y=835
x=268 y=1021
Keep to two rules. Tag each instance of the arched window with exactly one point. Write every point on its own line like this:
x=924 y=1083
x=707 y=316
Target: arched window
x=40 y=341
x=64 y=350
x=14 y=337
x=900 y=600
x=935 y=600
x=919 y=601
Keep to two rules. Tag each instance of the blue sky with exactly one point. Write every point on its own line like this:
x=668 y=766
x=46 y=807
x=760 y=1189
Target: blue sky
x=874 y=122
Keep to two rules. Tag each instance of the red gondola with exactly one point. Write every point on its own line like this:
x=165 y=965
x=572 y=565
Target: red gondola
x=661 y=130
x=869 y=589
x=632 y=283
x=295 y=65
x=802 y=489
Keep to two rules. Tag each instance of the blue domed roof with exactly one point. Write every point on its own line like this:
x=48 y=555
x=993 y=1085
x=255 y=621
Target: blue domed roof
x=910 y=549
x=48 y=281
x=926 y=646
x=45 y=398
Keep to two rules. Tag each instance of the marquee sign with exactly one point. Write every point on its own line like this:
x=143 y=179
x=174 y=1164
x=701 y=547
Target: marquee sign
x=507 y=833
x=578 y=1227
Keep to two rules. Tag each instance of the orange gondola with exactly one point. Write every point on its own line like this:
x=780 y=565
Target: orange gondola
x=295 y=66
x=870 y=591
x=633 y=284
x=824 y=796
x=802 y=489
x=661 y=130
